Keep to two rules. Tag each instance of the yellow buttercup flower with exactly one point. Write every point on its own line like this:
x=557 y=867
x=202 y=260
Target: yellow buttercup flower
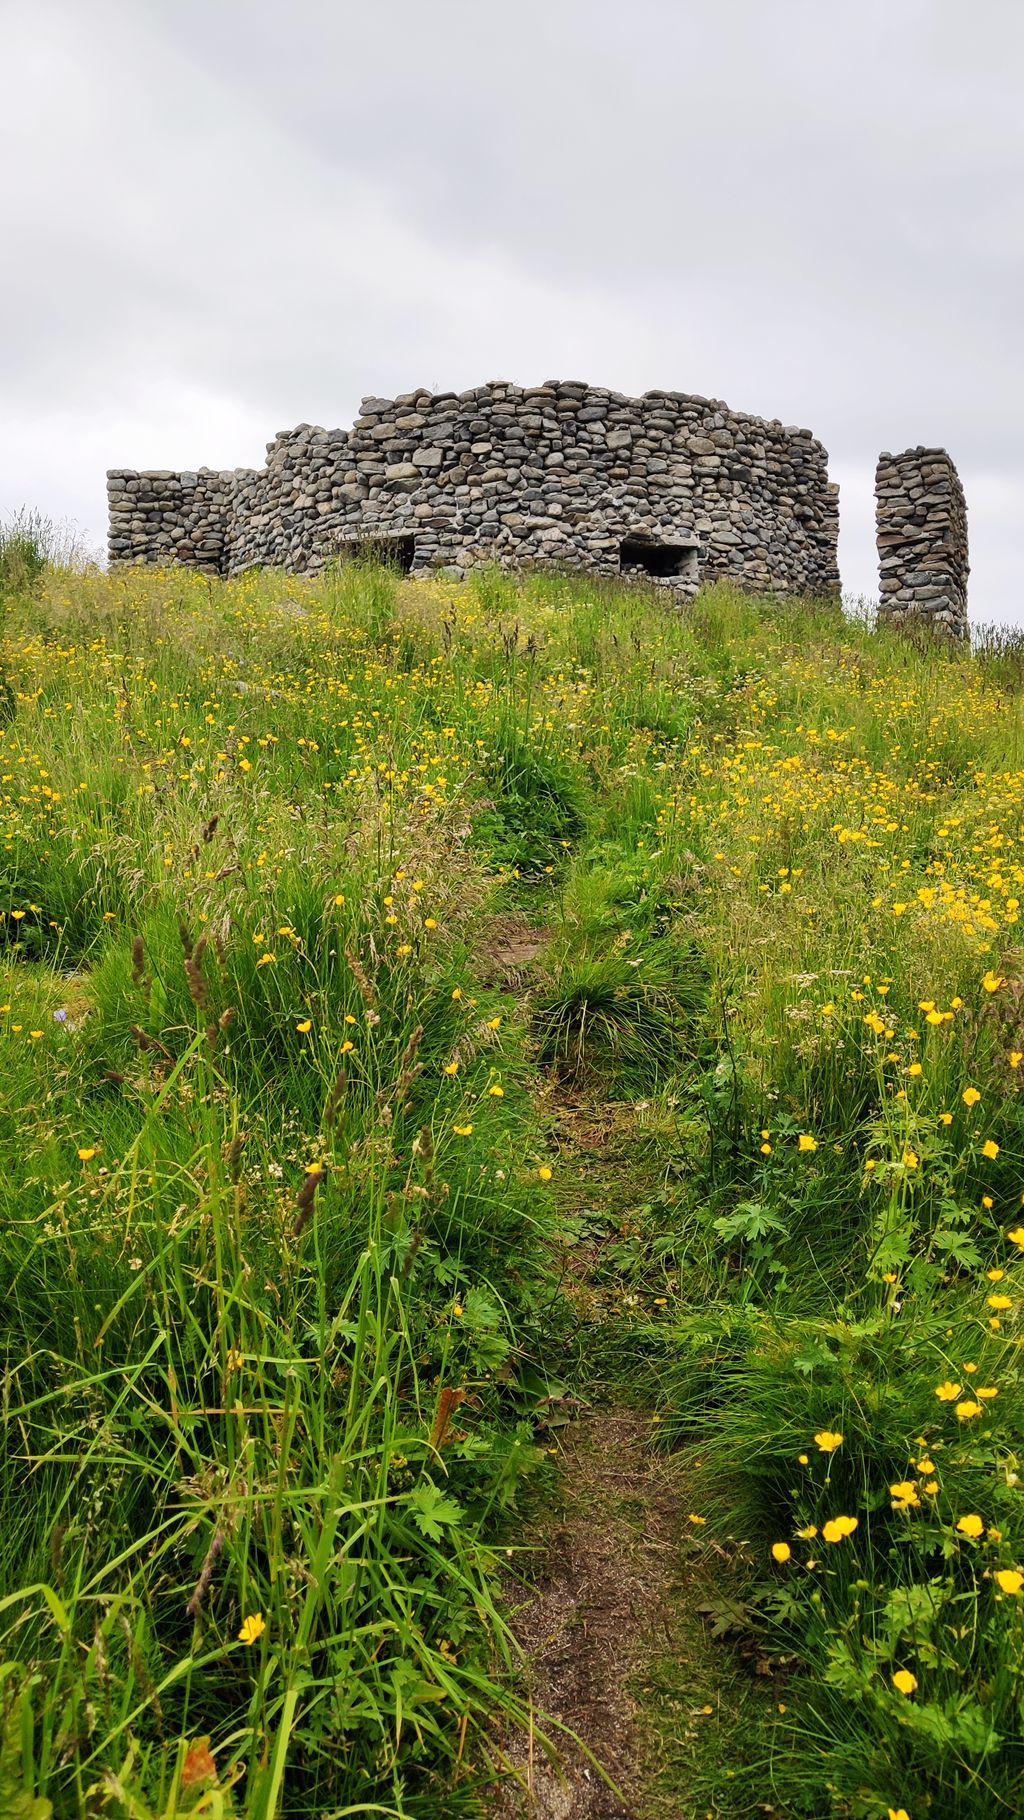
x=970 y=1096
x=87 y=1152
x=904 y=1682
x=990 y=1149
x=967 y=1410
x=252 y=1628
x=805 y=1142
x=971 y=1526
x=781 y=1551
x=1009 y=1580
x=948 y=1392
x=828 y=1441
x=838 y=1528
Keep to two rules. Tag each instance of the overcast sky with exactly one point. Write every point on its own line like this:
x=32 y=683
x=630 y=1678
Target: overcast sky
x=223 y=217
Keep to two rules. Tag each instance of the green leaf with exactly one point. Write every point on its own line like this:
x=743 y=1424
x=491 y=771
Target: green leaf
x=955 y=1245
x=16 y=1801
x=433 y=1512
x=813 y=1356
x=750 y=1221
x=159 y=1000
x=965 y=1727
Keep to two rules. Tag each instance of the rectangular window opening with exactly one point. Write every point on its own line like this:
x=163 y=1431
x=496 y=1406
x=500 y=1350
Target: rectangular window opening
x=646 y=556
x=392 y=552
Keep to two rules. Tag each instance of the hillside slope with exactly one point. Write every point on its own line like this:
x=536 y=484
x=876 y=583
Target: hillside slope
x=331 y=914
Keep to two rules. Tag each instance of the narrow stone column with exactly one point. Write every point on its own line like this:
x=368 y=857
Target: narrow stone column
x=921 y=521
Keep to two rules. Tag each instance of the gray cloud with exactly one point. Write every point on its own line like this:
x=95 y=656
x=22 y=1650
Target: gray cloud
x=223 y=216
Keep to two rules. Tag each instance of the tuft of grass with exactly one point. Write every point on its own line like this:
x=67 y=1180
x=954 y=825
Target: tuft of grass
x=600 y=1014
x=31 y=543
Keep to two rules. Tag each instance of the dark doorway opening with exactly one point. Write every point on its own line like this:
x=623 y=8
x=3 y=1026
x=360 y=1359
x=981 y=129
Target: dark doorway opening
x=644 y=555
x=396 y=552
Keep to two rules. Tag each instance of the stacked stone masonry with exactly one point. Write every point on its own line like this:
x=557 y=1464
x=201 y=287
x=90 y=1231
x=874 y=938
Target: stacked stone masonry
x=676 y=488
x=922 y=540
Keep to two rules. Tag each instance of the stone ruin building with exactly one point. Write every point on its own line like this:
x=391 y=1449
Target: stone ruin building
x=922 y=540
x=669 y=487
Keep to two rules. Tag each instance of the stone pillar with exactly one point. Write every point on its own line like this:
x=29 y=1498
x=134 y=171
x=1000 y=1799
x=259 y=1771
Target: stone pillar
x=921 y=521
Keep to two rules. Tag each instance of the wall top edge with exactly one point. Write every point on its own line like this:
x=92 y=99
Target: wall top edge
x=577 y=392
x=921 y=453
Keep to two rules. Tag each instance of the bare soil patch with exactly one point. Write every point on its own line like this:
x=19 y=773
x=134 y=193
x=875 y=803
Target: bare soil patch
x=506 y=954
x=600 y=1606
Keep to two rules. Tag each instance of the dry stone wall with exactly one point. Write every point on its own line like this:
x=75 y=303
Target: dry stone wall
x=564 y=474
x=167 y=518
x=921 y=519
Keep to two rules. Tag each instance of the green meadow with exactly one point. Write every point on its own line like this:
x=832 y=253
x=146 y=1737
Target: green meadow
x=318 y=900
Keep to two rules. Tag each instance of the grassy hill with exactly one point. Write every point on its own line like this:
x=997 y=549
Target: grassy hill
x=317 y=902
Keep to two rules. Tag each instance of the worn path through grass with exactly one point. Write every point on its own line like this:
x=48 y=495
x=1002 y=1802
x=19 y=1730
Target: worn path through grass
x=616 y=1591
